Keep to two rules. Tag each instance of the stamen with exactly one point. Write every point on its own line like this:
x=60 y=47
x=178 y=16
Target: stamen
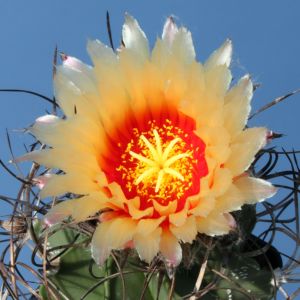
x=158 y=161
x=145 y=160
x=171 y=160
x=150 y=146
x=146 y=174
x=169 y=148
x=159 y=180
x=158 y=143
x=174 y=173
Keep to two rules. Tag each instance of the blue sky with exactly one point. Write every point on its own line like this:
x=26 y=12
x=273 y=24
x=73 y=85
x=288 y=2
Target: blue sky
x=265 y=35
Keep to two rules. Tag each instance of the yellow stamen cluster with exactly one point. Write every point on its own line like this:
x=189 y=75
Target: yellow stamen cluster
x=160 y=163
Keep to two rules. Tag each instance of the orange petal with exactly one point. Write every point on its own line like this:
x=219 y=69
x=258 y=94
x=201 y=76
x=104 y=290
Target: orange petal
x=118 y=198
x=165 y=210
x=135 y=212
x=179 y=218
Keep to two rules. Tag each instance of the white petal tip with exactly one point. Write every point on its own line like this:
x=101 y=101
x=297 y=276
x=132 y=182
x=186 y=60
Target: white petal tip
x=170 y=268
x=246 y=84
x=47 y=120
x=134 y=37
x=48 y=223
x=129 y=18
x=52 y=219
x=228 y=41
x=221 y=56
x=63 y=56
x=26 y=157
x=56 y=215
x=225 y=53
x=269 y=192
x=100 y=256
x=131 y=22
x=246 y=77
x=174 y=257
x=70 y=62
x=41 y=181
x=273 y=135
x=231 y=221
x=100 y=53
x=175 y=261
x=169 y=31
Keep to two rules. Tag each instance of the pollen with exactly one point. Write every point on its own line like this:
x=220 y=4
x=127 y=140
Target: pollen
x=161 y=162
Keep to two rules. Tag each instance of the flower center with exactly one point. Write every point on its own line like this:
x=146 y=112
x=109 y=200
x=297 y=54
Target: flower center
x=160 y=161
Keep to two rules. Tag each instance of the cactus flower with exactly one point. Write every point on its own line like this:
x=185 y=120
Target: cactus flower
x=153 y=140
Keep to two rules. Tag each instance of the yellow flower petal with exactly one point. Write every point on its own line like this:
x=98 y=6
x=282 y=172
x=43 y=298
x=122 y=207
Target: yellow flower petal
x=179 y=218
x=80 y=209
x=221 y=56
x=187 y=231
x=237 y=106
x=73 y=98
x=221 y=182
x=213 y=224
x=254 y=189
x=101 y=54
x=170 y=248
x=232 y=200
x=74 y=132
x=118 y=198
x=217 y=80
x=113 y=234
x=134 y=38
x=183 y=47
x=203 y=206
x=146 y=226
x=147 y=246
x=245 y=190
x=244 y=147
x=69 y=183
